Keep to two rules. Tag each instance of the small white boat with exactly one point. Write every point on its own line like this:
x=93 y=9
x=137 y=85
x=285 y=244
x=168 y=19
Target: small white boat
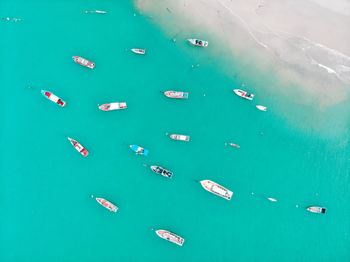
x=112 y=106
x=78 y=147
x=83 y=62
x=167 y=235
x=176 y=94
x=107 y=204
x=162 y=171
x=180 y=137
x=262 y=108
x=96 y=11
x=139 y=51
x=233 y=145
x=243 y=94
x=272 y=199
x=216 y=189
x=53 y=98
x=318 y=210
x=198 y=42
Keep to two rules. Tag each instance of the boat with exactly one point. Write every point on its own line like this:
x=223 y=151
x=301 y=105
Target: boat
x=167 y=235
x=53 y=98
x=216 y=189
x=139 y=150
x=234 y=145
x=272 y=199
x=243 y=94
x=319 y=210
x=176 y=94
x=107 y=204
x=139 y=51
x=162 y=171
x=180 y=137
x=83 y=62
x=262 y=108
x=112 y=106
x=198 y=42
x=96 y=11
x=78 y=147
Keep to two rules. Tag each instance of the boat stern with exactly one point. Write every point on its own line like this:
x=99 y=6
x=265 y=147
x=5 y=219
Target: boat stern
x=145 y=152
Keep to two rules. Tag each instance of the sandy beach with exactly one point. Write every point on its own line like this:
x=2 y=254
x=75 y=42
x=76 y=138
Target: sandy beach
x=305 y=42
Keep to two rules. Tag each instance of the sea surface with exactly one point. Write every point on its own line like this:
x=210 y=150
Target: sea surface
x=295 y=153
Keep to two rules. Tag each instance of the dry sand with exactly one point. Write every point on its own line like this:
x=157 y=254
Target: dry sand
x=306 y=42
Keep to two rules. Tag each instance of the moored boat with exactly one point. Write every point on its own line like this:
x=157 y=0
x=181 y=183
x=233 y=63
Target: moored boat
x=319 y=210
x=216 y=189
x=112 y=106
x=53 y=98
x=78 y=147
x=243 y=94
x=272 y=199
x=139 y=51
x=96 y=11
x=139 y=150
x=198 y=42
x=262 y=108
x=180 y=137
x=161 y=171
x=176 y=94
x=167 y=235
x=234 y=145
x=83 y=62
x=107 y=204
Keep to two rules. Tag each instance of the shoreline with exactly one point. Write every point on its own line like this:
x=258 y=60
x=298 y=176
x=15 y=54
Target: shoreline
x=272 y=35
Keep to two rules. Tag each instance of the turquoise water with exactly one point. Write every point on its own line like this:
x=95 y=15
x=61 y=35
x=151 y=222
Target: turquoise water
x=294 y=153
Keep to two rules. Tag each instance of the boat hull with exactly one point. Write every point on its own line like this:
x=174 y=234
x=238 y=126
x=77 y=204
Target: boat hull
x=105 y=203
x=262 y=108
x=139 y=150
x=112 y=106
x=176 y=94
x=161 y=171
x=139 y=51
x=78 y=147
x=318 y=210
x=234 y=145
x=171 y=237
x=216 y=189
x=96 y=11
x=198 y=42
x=180 y=137
x=243 y=94
x=84 y=62
x=53 y=98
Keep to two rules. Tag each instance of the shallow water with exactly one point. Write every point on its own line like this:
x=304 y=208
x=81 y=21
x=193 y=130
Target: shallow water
x=293 y=153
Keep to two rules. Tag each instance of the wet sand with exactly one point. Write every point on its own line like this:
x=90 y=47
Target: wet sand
x=305 y=42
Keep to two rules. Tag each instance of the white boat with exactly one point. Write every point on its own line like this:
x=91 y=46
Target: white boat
x=96 y=11
x=167 y=235
x=233 y=145
x=176 y=94
x=162 y=171
x=139 y=51
x=243 y=94
x=272 y=199
x=112 y=106
x=83 y=62
x=53 y=98
x=216 y=189
x=262 y=108
x=319 y=210
x=78 y=147
x=107 y=204
x=180 y=137
x=198 y=42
